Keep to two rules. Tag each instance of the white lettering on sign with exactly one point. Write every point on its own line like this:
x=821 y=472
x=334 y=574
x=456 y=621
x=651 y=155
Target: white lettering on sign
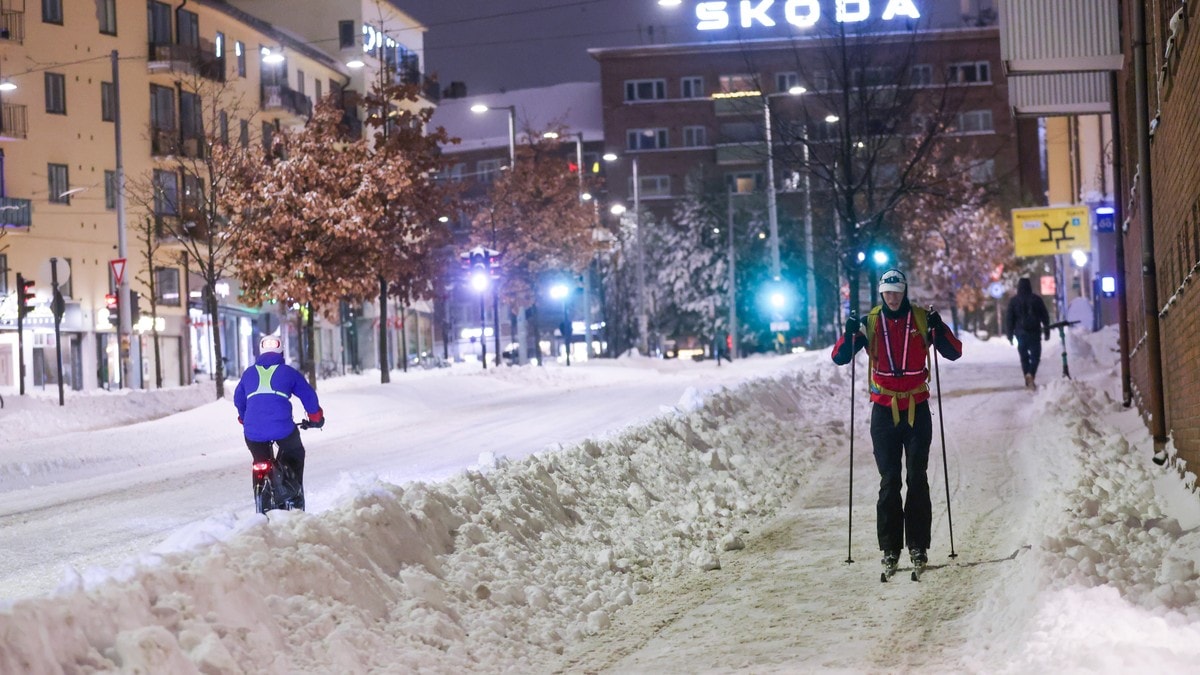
x=800 y=13
x=752 y=13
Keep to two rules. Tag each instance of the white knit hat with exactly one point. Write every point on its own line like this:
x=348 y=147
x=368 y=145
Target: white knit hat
x=893 y=280
x=270 y=344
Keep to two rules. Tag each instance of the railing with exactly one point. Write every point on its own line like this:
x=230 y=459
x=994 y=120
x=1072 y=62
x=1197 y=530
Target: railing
x=200 y=59
x=278 y=97
x=12 y=25
x=13 y=123
x=15 y=212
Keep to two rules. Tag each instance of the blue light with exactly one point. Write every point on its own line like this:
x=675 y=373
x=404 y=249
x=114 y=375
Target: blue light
x=1105 y=210
x=1108 y=285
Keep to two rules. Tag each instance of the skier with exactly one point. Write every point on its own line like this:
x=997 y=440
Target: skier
x=1027 y=320
x=897 y=337
x=264 y=406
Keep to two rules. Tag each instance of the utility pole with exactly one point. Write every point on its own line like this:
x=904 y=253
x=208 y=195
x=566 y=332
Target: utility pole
x=130 y=376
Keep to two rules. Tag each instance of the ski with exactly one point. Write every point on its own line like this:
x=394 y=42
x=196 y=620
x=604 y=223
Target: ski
x=918 y=570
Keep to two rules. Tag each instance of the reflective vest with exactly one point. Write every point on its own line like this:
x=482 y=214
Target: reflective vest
x=921 y=318
x=264 y=382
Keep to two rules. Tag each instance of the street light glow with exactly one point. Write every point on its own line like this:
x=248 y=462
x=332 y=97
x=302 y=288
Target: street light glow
x=831 y=118
x=880 y=257
x=479 y=108
x=480 y=281
x=1080 y=258
x=617 y=209
x=558 y=291
x=7 y=86
x=797 y=90
x=609 y=157
x=355 y=63
x=550 y=134
x=778 y=300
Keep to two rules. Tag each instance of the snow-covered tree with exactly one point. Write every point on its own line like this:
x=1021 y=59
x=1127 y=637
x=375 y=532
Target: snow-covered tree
x=406 y=217
x=308 y=236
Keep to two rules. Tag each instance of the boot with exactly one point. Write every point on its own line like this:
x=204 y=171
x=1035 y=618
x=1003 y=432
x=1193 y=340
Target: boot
x=918 y=557
x=1028 y=381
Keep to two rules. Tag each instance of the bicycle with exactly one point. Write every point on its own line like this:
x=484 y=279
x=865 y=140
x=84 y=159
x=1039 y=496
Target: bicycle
x=270 y=478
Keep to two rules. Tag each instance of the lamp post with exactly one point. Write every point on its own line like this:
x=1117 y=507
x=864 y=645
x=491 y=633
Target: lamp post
x=562 y=292
x=640 y=260
x=512 y=165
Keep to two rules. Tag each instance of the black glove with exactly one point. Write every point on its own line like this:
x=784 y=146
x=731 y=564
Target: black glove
x=1046 y=334
x=852 y=327
x=935 y=321
x=316 y=420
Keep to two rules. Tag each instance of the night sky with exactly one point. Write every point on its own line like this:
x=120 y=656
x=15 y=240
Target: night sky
x=496 y=45
x=500 y=45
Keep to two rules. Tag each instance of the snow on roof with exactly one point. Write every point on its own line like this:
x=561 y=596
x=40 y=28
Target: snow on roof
x=574 y=106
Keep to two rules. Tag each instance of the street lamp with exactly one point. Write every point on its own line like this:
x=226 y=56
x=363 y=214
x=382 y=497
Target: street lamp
x=480 y=108
x=562 y=292
x=480 y=279
x=578 y=139
x=643 y=318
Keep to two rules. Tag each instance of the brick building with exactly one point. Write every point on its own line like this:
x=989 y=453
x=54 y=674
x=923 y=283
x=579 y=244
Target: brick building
x=705 y=108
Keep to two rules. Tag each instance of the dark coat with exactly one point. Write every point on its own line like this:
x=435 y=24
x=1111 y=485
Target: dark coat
x=1026 y=312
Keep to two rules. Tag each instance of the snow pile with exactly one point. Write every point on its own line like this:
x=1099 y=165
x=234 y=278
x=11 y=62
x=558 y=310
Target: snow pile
x=1112 y=582
x=494 y=569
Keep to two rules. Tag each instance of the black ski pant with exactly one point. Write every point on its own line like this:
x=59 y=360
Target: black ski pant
x=901 y=449
x=290 y=461
x=1029 y=348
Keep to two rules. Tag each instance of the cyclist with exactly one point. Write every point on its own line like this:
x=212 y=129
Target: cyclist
x=264 y=406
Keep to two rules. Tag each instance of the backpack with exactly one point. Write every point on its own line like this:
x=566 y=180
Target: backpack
x=921 y=318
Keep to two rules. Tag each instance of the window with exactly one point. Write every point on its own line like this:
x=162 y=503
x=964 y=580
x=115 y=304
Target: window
x=921 y=75
x=455 y=172
x=223 y=127
x=3 y=274
x=166 y=193
x=110 y=190
x=56 y=93
x=108 y=110
x=166 y=286
x=300 y=82
x=694 y=137
x=188 y=27
x=785 y=81
x=106 y=12
x=691 y=87
x=317 y=94
x=652 y=186
x=646 y=139
x=59 y=183
x=488 y=169
x=824 y=80
x=160 y=23
x=244 y=133
x=736 y=83
x=744 y=182
x=193 y=199
x=239 y=51
x=969 y=72
x=974 y=122
x=162 y=108
x=190 y=122
x=982 y=172
x=52 y=11
x=346 y=35
x=645 y=90
x=268 y=136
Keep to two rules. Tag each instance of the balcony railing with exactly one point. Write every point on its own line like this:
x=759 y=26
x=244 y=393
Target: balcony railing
x=200 y=60
x=13 y=124
x=278 y=97
x=12 y=25
x=168 y=143
x=15 y=212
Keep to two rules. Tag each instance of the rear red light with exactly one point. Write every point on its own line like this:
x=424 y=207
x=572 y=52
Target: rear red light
x=262 y=466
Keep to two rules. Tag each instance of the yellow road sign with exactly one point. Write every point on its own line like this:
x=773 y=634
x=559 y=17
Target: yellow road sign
x=1051 y=231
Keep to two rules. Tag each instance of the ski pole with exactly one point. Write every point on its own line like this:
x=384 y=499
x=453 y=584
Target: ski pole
x=850 y=521
x=945 y=469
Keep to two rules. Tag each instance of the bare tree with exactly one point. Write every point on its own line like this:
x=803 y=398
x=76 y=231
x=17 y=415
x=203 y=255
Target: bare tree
x=190 y=197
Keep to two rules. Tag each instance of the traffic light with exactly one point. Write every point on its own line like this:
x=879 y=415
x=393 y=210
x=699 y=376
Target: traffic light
x=478 y=271
x=112 y=302
x=25 y=296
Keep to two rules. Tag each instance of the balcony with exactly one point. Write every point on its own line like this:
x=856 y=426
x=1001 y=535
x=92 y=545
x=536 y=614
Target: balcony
x=12 y=24
x=168 y=143
x=13 y=124
x=196 y=60
x=15 y=212
x=280 y=99
x=741 y=153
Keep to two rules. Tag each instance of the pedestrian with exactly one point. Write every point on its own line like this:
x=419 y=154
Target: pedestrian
x=897 y=337
x=264 y=405
x=1029 y=322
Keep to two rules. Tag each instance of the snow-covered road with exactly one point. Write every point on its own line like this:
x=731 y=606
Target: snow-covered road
x=618 y=517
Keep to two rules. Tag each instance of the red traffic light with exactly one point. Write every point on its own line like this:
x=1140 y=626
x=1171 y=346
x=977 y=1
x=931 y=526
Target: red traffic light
x=26 y=295
x=110 y=302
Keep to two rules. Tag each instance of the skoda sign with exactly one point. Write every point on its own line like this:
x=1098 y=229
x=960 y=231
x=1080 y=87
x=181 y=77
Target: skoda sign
x=799 y=13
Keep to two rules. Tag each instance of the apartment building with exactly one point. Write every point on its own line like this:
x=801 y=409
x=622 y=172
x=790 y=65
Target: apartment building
x=71 y=70
x=705 y=108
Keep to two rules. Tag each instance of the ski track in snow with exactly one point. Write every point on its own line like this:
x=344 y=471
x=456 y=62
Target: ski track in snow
x=709 y=537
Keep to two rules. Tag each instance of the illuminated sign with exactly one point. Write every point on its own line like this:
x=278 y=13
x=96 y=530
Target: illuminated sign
x=799 y=13
x=1051 y=231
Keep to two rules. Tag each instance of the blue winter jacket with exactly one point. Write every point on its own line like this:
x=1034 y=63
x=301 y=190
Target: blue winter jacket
x=264 y=402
